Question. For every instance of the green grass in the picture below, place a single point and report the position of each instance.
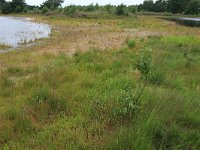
(131, 43)
(91, 100)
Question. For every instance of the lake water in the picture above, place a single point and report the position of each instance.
(15, 31)
(193, 22)
(190, 19)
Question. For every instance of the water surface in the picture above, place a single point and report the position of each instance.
(15, 31)
(193, 22)
(190, 19)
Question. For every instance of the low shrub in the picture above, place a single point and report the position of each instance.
(45, 10)
(70, 10)
(145, 65)
(121, 10)
(144, 62)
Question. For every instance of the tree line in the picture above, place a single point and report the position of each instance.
(18, 6)
(173, 6)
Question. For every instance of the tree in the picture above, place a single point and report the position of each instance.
(18, 9)
(148, 5)
(6, 8)
(108, 8)
(174, 6)
(14, 6)
(193, 7)
(160, 6)
(177, 6)
(1, 4)
(52, 4)
(132, 9)
(121, 10)
(2, 1)
(69, 10)
(45, 10)
(90, 7)
(18, 5)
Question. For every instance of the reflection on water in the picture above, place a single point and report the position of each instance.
(193, 22)
(16, 30)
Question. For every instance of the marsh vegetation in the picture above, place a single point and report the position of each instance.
(103, 82)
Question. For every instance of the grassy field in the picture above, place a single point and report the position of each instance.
(117, 83)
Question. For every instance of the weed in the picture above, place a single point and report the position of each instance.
(156, 77)
(6, 82)
(11, 114)
(144, 62)
(15, 70)
(5, 134)
(128, 105)
(48, 104)
(57, 105)
(145, 65)
(22, 125)
(131, 43)
(189, 59)
(41, 95)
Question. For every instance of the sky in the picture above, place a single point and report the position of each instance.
(87, 2)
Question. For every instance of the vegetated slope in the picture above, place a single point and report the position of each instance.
(142, 95)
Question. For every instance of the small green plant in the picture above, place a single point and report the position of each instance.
(188, 58)
(5, 134)
(145, 65)
(131, 43)
(57, 105)
(6, 82)
(15, 71)
(156, 77)
(144, 62)
(11, 114)
(40, 96)
(98, 109)
(23, 125)
(128, 104)
(51, 103)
